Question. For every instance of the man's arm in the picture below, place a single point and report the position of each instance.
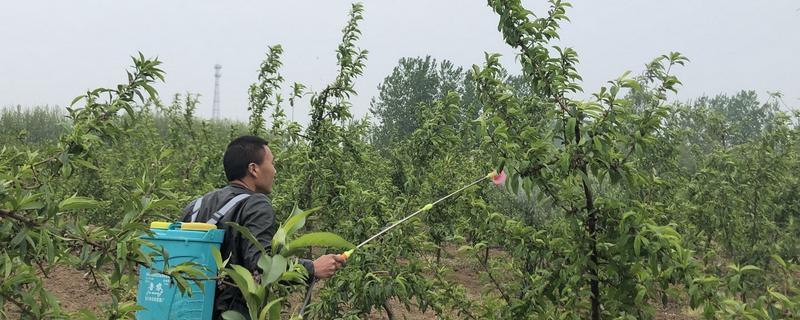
(259, 217)
(309, 267)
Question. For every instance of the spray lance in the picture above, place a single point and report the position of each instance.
(497, 179)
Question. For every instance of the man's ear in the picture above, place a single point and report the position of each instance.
(252, 169)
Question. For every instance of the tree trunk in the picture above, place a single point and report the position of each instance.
(388, 309)
(304, 203)
(591, 225)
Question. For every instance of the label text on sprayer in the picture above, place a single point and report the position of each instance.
(155, 287)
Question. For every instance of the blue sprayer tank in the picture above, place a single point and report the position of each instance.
(158, 293)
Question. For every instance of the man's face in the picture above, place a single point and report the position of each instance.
(264, 173)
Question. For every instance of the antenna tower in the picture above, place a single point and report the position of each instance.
(215, 108)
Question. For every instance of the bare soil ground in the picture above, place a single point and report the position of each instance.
(76, 292)
(469, 276)
(73, 290)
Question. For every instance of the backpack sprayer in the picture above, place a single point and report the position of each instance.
(497, 179)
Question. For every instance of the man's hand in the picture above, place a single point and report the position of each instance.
(325, 266)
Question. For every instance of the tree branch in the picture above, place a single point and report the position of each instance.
(22, 308)
(494, 281)
(15, 216)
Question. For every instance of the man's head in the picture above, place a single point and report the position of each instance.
(249, 160)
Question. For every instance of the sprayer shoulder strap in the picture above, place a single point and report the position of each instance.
(227, 207)
(196, 208)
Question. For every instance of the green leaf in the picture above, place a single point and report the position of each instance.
(264, 314)
(563, 162)
(183, 284)
(129, 307)
(632, 84)
(150, 91)
(30, 202)
(77, 203)
(86, 164)
(217, 257)
(293, 276)
(74, 101)
(242, 278)
(320, 239)
(779, 260)
(628, 215)
(278, 240)
(749, 268)
(465, 248)
(569, 134)
(779, 296)
(66, 170)
(232, 315)
(297, 220)
(274, 308)
(641, 291)
(277, 268)
(161, 204)
(265, 263)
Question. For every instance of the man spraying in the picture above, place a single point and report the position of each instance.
(250, 170)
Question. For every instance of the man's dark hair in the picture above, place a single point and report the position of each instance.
(241, 152)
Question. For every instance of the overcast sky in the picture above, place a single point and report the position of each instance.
(52, 51)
